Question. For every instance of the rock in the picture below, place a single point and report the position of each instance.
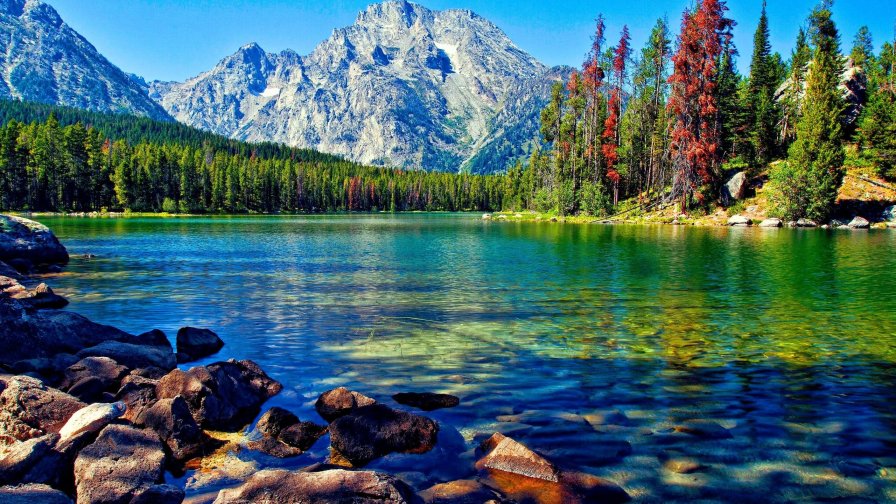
(373, 431)
(505, 454)
(104, 370)
(43, 334)
(736, 187)
(194, 344)
(683, 465)
(771, 223)
(172, 421)
(339, 402)
(705, 429)
(92, 418)
(461, 492)
(426, 401)
(52, 368)
(486, 216)
(160, 494)
(40, 298)
(10, 272)
(284, 435)
(133, 355)
(120, 466)
(838, 224)
(30, 409)
(21, 457)
(154, 337)
(740, 221)
(859, 223)
(138, 393)
(224, 395)
(806, 223)
(22, 238)
(889, 215)
(32, 494)
(328, 486)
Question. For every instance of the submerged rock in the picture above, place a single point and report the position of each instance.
(426, 401)
(125, 465)
(706, 429)
(461, 492)
(194, 344)
(508, 455)
(32, 494)
(332, 485)
(26, 240)
(29, 409)
(339, 402)
(224, 395)
(374, 431)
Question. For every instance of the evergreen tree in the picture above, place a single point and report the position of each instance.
(761, 107)
(862, 54)
(808, 183)
(877, 127)
(792, 100)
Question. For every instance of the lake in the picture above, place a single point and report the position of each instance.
(588, 343)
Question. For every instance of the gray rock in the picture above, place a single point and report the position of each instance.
(771, 223)
(332, 485)
(120, 466)
(224, 395)
(889, 215)
(22, 238)
(29, 409)
(32, 494)
(373, 431)
(339, 402)
(736, 187)
(133, 355)
(806, 223)
(194, 344)
(92, 418)
(859, 223)
(739, 221)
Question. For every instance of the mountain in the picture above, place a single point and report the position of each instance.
(43, 60)
(403, 86)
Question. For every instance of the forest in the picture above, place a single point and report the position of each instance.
(671, 124)
(62, 159)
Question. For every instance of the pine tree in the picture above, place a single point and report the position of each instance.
(806, 186)
(862, 54)
(761, 107)
(792, 100)
(611, 126)
(877, 127)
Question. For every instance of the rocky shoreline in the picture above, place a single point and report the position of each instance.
(92, 414)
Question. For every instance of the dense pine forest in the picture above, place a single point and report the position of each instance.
(672, 123)
(63, 159)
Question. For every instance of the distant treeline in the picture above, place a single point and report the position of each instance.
(63, 159)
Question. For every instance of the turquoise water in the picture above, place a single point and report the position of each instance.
(588, 343)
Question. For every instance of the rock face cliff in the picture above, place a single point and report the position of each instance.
(403, 86)
(42, 59)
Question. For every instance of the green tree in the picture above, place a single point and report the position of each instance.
(792, 98)
(761, 108)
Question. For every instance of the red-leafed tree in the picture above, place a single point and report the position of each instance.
(695, 136)
(611, 125)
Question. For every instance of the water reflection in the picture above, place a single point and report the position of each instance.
(589, 343)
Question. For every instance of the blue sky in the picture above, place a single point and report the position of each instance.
(177, 39)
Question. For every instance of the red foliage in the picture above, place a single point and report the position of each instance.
(694, 141)
(611, 125)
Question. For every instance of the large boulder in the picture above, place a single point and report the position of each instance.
(284, 435)
(426, 401)
(740, 221)
(133, 355)
(92, 418)
(194, 344)
(736, 187)
(332, 485)
(859, 223)
(26, 335)
(225, 395)
(771, 223)
(339, 402)
(103, 371)
(138, 393)
(29, 408)
(32, 494)
(374, 431)
(23, 239)
(172, 421)
(20, 458)
(122, 466)
(525, 476)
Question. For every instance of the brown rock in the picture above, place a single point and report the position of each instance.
(172, 421)
(506, 454)
(19, 458)
(683, 465)
(461, 492)
(705, 429)
(104, 370)
(329, 486)
(340, 402)
(29, 409)
(374, 431)
(138, 393)
(224, 395)
(426, 401)
(284, 435)
(32, 494)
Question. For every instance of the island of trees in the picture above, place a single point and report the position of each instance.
(672, 123)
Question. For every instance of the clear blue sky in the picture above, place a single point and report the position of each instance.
(177, 39)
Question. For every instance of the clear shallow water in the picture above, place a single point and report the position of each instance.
(546, 332)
